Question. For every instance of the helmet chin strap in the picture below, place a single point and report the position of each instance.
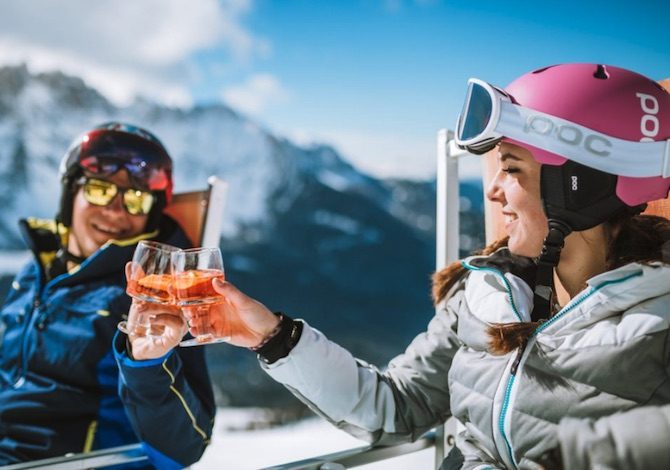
(65, 255)
(548, 260)
(575, 197)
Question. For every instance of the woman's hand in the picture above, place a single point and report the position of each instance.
(239, 317)
(167, 329)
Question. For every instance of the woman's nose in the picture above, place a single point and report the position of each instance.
(494, 190)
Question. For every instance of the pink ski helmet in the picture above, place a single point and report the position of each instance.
(613, 101)
(601, 133)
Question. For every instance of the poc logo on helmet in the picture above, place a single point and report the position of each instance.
(567, 134)
(649, 124)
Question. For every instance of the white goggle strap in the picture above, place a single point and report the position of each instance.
(584, 145)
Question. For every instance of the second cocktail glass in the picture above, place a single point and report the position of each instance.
(149, 280)
(193, 271)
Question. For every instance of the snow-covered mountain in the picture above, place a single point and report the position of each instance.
(305, 232)
(41, 114)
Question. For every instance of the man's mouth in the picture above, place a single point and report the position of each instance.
(107, 229)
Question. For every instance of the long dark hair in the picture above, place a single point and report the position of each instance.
(638, 238)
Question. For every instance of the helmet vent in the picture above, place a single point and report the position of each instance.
(540, 70)
(601, 72)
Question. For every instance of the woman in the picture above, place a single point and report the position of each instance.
(570, 321)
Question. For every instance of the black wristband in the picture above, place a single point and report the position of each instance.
(283, 342)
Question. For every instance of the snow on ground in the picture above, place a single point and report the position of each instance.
(233, 448)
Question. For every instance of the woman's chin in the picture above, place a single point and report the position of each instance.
(521, 248)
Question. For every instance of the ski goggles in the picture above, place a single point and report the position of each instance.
(105, 152)
(102, 193)
(489, 115)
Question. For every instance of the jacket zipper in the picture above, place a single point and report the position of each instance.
(517, 359)
(32, 319)
(506, 398)
(35, 320)
(23, 353)
(515, 362)
(515, 368)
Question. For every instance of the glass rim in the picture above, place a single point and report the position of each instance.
(158, 245)
(201, 249)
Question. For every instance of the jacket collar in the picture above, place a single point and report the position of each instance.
(618, 290)
(492, 285)
(44, 238)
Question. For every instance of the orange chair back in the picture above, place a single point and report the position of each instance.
(661, 207)
(189, 210)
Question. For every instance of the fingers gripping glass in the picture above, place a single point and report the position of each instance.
(489, 114)
(102, 193)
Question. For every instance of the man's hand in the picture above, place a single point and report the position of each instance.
(166, 331)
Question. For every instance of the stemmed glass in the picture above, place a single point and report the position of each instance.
(150, 280)
(193, 271)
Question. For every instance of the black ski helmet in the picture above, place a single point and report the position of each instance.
(108, 148)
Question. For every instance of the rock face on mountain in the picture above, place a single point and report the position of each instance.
(305, 232)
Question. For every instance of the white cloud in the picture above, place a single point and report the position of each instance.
(119, 84)
(256, 94)
(125, 48)
(387, 155)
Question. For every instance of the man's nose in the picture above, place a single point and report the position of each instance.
(116, 204)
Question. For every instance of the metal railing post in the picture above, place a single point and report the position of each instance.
(448, 195)
(447, 231)
(447, 236)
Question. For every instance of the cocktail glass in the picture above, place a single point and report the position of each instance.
(149, 280)
(193, 271)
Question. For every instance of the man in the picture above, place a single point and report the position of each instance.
(59, 380)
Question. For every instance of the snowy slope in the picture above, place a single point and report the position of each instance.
(253, 449)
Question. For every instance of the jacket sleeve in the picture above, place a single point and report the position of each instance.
(397, 405)
(633, 439)
(169, 402)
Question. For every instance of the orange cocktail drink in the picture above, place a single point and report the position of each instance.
(194, 287)
(193, 272)
(152, 288)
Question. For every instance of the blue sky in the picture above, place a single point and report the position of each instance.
(374, 78)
